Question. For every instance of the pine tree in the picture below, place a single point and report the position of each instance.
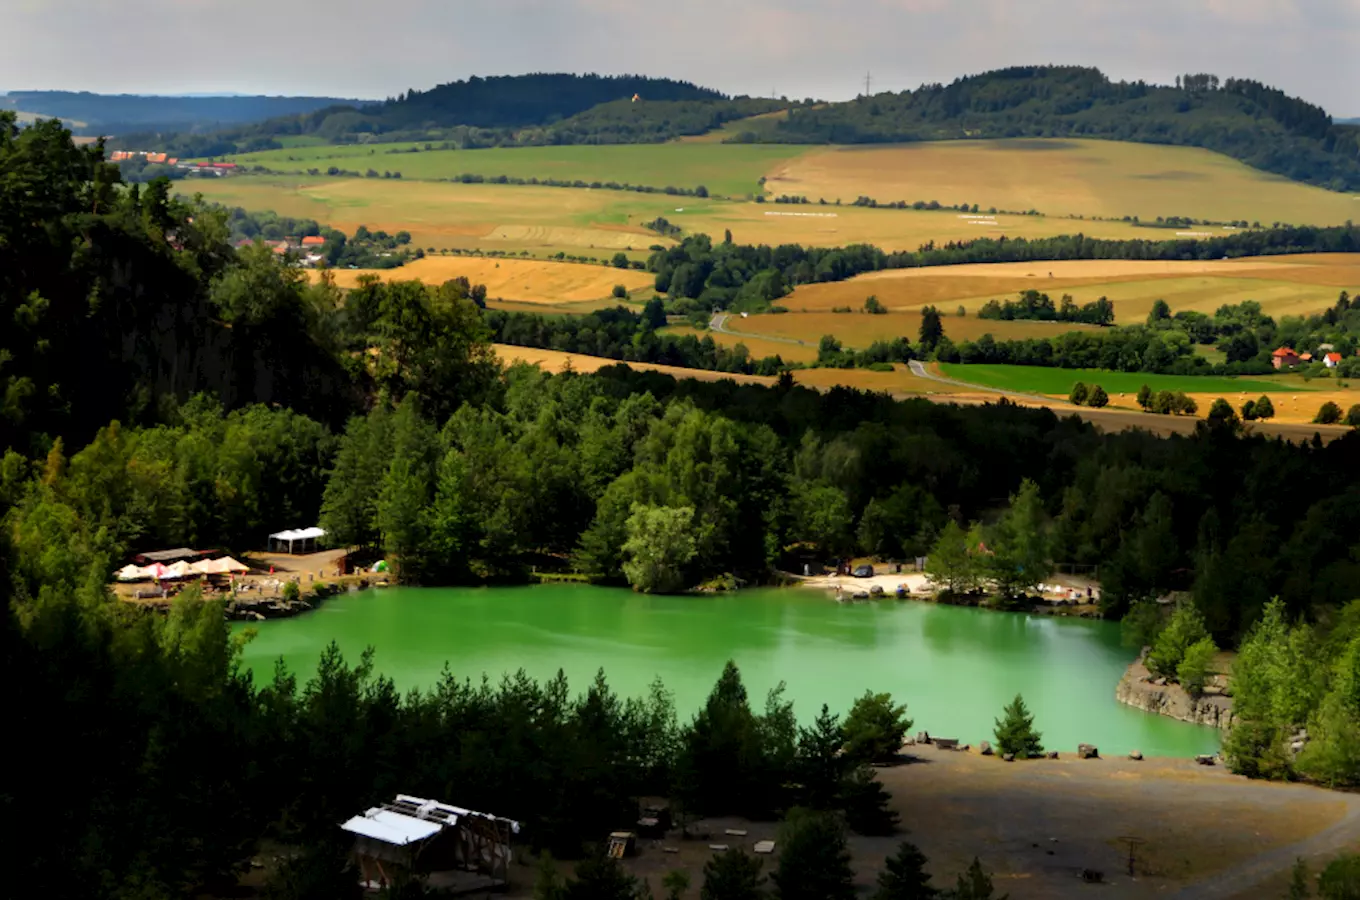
(814, 861)
(904, 876)
(1015, 731)
(732, 876)
(865, 802)
(821, 766)
(975, 884)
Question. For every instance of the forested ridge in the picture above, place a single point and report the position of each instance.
(162, 388)
(1259, 125)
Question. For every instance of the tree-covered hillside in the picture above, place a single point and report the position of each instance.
(126, 113)
(1246, 120)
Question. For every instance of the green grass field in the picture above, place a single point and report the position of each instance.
(725, 170)
(1041, 380)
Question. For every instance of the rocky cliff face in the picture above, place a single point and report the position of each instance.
(1139, 689)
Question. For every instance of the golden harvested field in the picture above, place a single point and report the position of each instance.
(1291, 409)
(1063, 177)
(520, 280)
(889, 229)
(759, 348)
(859, 330)
(1291, 285)
(556, 361)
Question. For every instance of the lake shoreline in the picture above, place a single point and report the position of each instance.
(1139, 689)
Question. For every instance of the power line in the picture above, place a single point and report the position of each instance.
(868, 81)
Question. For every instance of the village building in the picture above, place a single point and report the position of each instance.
(1285, 358)
(446, 849)
(1332, 360)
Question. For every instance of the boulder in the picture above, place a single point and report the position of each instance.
(1009, 757)
(1053, 754)
(1136, 754)
(985, 748)
(1087, 751)
(1205, 759)
(923, 737)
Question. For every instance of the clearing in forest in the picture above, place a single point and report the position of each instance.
(1061, 177)
(521, 280)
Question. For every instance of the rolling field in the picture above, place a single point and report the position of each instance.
(859, 330)
(1284, 285)
(1059, 382)
(557, 361)
(1063, 177)
(524, 281)
(732, 170)
(759, 348)
(546, 220)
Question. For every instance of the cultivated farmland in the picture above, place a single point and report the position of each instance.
(859, 330)
(727, 170)
(1064, 177)
(525, 281)
(1059, 382)
(1285, 285)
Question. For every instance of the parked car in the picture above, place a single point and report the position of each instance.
(864, 571)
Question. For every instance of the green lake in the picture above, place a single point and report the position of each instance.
(953, 667)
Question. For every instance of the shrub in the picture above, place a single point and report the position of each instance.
(1328, 414)
(1249, 411)
(1353, 416)
(1145, 397)
(1264, 408)
(1098, 399)
(1193, 670)
(873, 307)
(620, 292)
(1185, 629)
(291, 592)
(1079, 394)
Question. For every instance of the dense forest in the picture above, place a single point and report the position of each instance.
(1259, 125)
(163, 388)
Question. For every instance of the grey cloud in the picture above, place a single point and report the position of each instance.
(797, 47)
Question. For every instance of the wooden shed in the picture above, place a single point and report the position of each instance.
(447, 849)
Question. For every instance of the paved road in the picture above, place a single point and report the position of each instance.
(719, 323)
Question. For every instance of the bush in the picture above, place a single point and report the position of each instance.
(1328, 414)
(1249, 411)
(1098, 399)
(1079, 394)
(1015, 731)
(1264, 408)
(291, 592)
(620, 292)
(732, 875)
(875, 728)
(873, 307)
(1221, 413)
(814, 860)
(1193, 670)
(1341, 879)
(1353, 416)
(1185, 629)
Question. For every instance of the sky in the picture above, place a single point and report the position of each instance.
(797, 48)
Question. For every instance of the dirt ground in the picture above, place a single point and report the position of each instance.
(1203, 832)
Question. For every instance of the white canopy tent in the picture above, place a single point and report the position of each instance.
(303, 539)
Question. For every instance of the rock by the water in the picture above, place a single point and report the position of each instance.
(1053, 754)
(1205, 759)
(1087, 751)
(985, 748)
(923, 737)
(1009, 757)
(1137, 754)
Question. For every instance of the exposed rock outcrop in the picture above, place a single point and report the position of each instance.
(1138, 689)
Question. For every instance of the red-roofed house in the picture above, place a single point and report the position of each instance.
(1332, 360)
(1285, 358)
(315, 240)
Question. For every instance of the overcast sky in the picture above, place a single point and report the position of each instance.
(822, 48)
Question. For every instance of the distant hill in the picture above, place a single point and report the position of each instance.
(1258, 125)
(123, 113)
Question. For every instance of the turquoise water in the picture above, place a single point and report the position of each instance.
(954, 667)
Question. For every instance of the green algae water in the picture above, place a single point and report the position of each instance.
(953, 667)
